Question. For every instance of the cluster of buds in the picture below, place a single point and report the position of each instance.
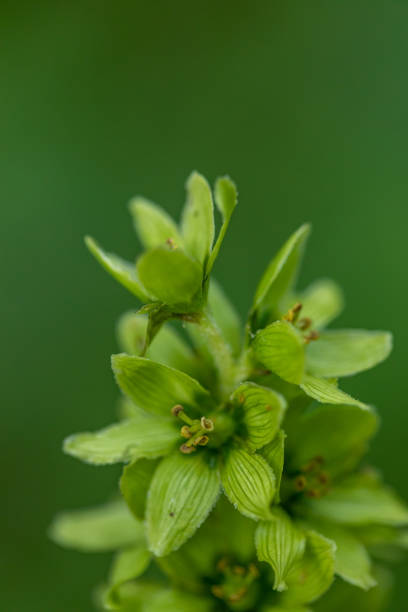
(195, 431)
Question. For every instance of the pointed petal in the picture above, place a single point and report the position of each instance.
(322, 302)
(153, 225)
(197, 223)
(226, 198)
(135, 483)
(327, 393)
(280, 348)
(274, 453)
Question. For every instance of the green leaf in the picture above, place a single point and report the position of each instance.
(226, 198)
(281, 273)
(249, 483)
(156, 388)
(274, 453)
(330, 432)
(99, 529)
(167, 347)
(173, 600)
(280, 348)
(122, 271)
(345, 352)
(360, 500)
(197, 223)
(327, 393)
(127, 565)
(135, 483)
(263, 411)
(183, 491)
(281, 544)
(171, 276)
(142, 436)
(352, 562)
(322, 302)
(225, 316)
(153, 225)
(314, 573)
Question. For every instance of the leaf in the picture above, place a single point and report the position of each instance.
(322, 302)
(226, 198)
(281, 544)
(167, 347)
(346, 352)
(135, 483)
(280, 348)
(274, 453)
(127, 565)
(281, 273)
(330, 432)
(359, 501)
(173, 600)
(263, 411)
(171, 276)
(327, 393)
(352, 562)
(249, 483)
(122, 271)
(314, 573)
(141, 436)
(183, 491)
(225, 316)
(99, 529)
(156, 388)
(197, 223)
(153, 225)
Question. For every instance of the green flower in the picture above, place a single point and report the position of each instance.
(244, 486)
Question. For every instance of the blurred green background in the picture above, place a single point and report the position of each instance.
(303, 103)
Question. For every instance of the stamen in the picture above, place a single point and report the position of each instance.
(185, 432)
(304, 323)
(207, 424)
(312, 335)
(187, 450)
(292, 315)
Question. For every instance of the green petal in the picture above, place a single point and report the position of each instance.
(330, 432)
(360, 500)
(346, 352)
(327, 393)
(352, 562)
(225, 316)
(153, 225)
(142, 436)
(281, 273)
(127, 565)
(99, 529)
(123, 271)
(197, 223)
(263, 411)
(226, 198)
(156, 388)
(183, 491)
(281, 544)
(135, 483)
(314, 573)
(249, 483)
(167, 347)
(173, 600)
(322, 302)
(280, 348)
(171, 276)
(274, 453)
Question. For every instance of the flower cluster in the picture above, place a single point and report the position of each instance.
(244, 486)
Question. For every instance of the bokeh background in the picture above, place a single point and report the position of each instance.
(303, 103)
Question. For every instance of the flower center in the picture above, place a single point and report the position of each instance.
(195, 431)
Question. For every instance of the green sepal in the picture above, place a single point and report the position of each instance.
(142, 436)
(249, 483)
(280, 543)
(197, 223)
(153, 225)
(226, 198)
(327, 392)
(314, 573)
(99, 529)
(172, 277)
(183, 491)
(322, 302)
(274, 453)
(134, 485)
(280, 348)
(122, 271)
(156, 388)
(128, 564)
(345, 352)
(262, 413)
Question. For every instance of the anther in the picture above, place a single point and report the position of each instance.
(175, 411)
(293, 314)
(201, 441)
(185, 431)
(311, 336)
(253, 570)
(304, 323)
(207, 424)
(217, 591)
(170, 242)
(323, 478)
(238, 570)
(238, 595)
(300, 483)
(187, 450)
